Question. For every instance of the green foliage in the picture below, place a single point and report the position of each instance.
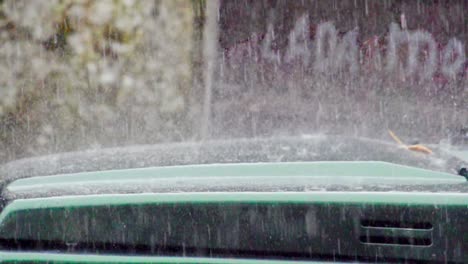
(81, 73)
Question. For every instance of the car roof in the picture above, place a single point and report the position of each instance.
(304, 148)
(317, 148)
(241, 177)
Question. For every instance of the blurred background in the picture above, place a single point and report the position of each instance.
(84, 74)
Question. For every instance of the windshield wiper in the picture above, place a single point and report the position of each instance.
(463, 172)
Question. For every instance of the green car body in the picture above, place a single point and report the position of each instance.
(267, 212)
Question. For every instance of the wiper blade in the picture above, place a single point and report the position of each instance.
(463, 172)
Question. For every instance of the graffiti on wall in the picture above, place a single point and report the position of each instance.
(322, 49)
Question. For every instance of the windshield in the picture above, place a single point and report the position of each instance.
(303, 80)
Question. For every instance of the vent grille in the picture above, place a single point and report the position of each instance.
(379, 232)
(396, 224)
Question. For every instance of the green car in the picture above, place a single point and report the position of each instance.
(311, 199)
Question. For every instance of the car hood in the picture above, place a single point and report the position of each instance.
(243, 177)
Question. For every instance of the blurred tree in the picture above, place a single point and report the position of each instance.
(81, 73)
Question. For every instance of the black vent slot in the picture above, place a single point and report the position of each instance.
(396, 240)
(404, 233)
(396, 224)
